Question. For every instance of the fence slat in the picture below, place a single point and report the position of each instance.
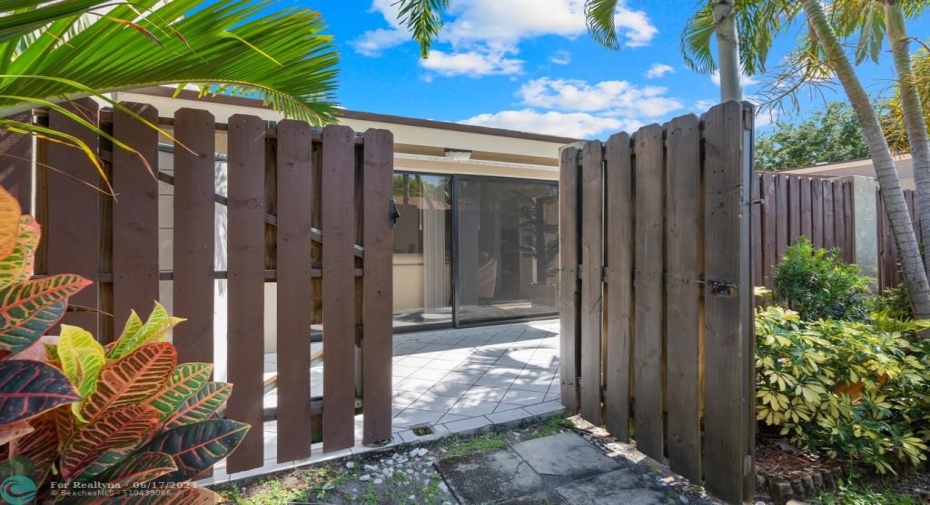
(848, 219)
(294, 188)
(135, 215)
(619, 288)
(794, 209)
(817, 212)
(72, 233)
(649, 179)
(781, 221)
(770, 226)
(829, 223)
(569, 295)
(339, 306)
(806, 211)
(757, 211)
(16, 164)
(592, 247)
(683, 232)
(193, 235)
(377, 180)
(839, 217)
(246, 252)
(726, 268)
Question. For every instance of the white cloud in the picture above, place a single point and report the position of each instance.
(571, 124)
(702, 106)
(490, 22)
(658, 70)
(613, 98)
(745, 80)
(472, 63)
(561, 57)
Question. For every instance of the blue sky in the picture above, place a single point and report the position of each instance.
(529, 65)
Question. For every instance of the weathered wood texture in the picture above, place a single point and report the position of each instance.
(284, 187)
(670, 204)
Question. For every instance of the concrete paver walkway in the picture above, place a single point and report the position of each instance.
(558, 469)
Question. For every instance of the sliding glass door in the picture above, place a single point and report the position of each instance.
(469, 250)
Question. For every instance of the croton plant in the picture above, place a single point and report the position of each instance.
(124, 420)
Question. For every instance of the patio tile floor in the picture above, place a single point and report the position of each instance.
(457, 380)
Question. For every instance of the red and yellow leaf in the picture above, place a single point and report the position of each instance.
(18, 265)
(115, 434)
(41, 446)
(29, 388)
(10, 212)
(186, 380)
(29, 309)
(135, 469)
(196, 447)
(201, 405)
(132, 379)
(155, 329)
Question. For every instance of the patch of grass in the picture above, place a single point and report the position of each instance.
(484, 442)
(272, 491)
(553, 425)
(848, 495)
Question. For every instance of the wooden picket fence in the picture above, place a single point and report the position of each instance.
(307, 208)
(656, 296)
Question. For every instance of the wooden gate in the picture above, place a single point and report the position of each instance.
(656, 297)
(307, 209)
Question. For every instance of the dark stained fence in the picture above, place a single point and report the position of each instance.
(786, 207)
(889, 271)
(656, 298)
(307, 208)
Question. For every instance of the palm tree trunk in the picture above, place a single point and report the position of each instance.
(892, 195)
(914, 123)
(727, 50)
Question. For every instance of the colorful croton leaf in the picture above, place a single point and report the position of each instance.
(28, 309)
(215, 439)
(29, 388)
(10, 211)
(186, 381)
(134, 335)
(131, 380)
(136, 469)
(41, 446)
(107, 440)
(19, 264)
(82, 359)
(200, 406)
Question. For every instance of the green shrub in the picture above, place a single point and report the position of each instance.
(895, 304)
(817, 284)
(855, 390)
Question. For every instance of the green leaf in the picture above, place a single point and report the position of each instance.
(154, 330)
(29, 309)
(104, 442)
(29, 388)
(187, 380)
(201, 405)
(132, 379)
(81, 358)
(196, 447)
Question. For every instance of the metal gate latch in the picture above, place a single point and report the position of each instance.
(394, 213)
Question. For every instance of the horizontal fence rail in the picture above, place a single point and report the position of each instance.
(656, 294)
(230, 207)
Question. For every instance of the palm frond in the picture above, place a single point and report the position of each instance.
(232, 46)
(423, 19)
(695, 41)
(599, 16)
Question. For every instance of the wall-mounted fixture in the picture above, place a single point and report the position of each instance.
(458, 154)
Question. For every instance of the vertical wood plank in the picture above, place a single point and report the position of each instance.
(135, 215)
(806, 211)
(848, 219)
(73, 233)
(246, 252)
(619, 288)
(829, 223)
(649, 179)
(377, 240)
(338, 287)
(569, 292)
(794, 210)
(770, 226)
(592, 263)
(839, 217)
(16, 163)
(817, 212)
(294, 188)
(756, 213)
(194, 239)
(683, 241)
(781, 222)
(727, 299)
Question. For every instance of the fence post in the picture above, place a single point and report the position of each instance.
(864, 223)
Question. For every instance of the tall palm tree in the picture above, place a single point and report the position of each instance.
(60, 50)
